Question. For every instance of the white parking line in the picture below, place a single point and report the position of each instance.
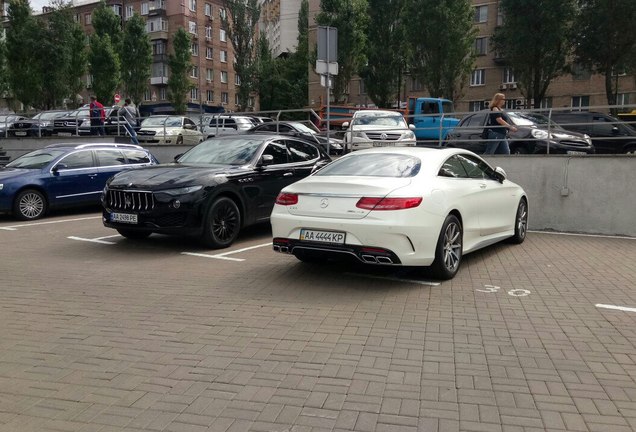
(15, 227)
(95, 240)
(395, 279)
(223, 255)
(620, 308)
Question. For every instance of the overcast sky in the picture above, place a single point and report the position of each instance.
(36, 5)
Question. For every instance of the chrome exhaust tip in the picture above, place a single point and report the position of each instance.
(284, 249)
(369, 259)
(384, 260)
(276, 248)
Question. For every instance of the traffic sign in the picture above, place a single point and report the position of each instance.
(117, 98)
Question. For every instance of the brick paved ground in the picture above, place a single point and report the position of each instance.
(139, 337)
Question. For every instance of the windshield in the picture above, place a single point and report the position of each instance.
(226, 151)
(305, 129)
(531, 119)
(36, 159)
(171, 121)
(373, 165)
(48, 115)
(82, 112)
(384, 119)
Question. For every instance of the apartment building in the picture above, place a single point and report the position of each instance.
(212, 75)
(490, 75)
(279, 22)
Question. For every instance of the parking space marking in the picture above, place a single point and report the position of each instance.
(395, 279)
(15, 227)
(620, 308)
(223, 255)
(95, 240)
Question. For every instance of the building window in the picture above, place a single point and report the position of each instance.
(622, 99)
(147, 95)
(208, 9)
(194, 93)
(481, 46)
(478, 77)
(193, 5)
(580, 101)
(225, 98)
(580, 72)
(223, 56)
(144, 8)
(130, 11)
(87, 19)
(481, 14)
(222, 35)
(224, 77)
(117, 9)
(476, 105)
(362, 89)
(194, 48)
(209, 95)
(222, 13)
(236, 99)
(194, 72)
(208, 32)
(163, 93)
(250, 101)
(193, 27)
(158, 47)
(500, 18)
(508, 76)
(546, 102)
(209, 74)
(416, 85)
(209, 53)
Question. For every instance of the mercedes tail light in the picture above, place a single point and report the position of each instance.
(286, 199)
(369, 203)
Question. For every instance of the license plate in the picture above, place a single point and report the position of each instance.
(20, 134)
(383, 144)
(123, 218)
(64, 133)
(322, 236)
(573, 152)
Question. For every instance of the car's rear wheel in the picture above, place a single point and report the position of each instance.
(30, 204)
(133, 234)
(521, 222)
(448, 253)
(222, 224)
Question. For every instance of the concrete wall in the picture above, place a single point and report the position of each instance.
(586, 194)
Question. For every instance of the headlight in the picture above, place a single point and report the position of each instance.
(1, 186)
(181, 191)
(409, 135)
(539, 134)
(85, 122)
(587, 139)
(359, 135)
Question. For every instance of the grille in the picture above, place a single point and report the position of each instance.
(148, 133)
(130, 200)
(377, 136)
(573, 143)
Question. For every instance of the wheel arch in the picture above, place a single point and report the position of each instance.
(36, 187)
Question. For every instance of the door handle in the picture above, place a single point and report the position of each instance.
(92, 175)
(288, 174)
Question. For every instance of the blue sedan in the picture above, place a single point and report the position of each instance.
(64, 175)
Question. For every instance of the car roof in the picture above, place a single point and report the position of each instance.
(94, 145)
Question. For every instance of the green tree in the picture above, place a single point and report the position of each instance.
(179, 61)
(240, 23)
(4, 73)
(105, 68)
(441, 37)
(23, 41)
(78, 62)
(350, 17)
(605, 39)
(299, 61)
(534, 40)
(385, 51)
(106, 22)
(136, 58)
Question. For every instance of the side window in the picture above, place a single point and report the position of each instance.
(476, 120)
(452, 168)
(137, 157)
(230, 123)
(278, 150)
(189, 122)
(302, 152)
(80, 159)
(602, 126)
(213, 122)
(267, 128)
(110, 157)
(476, 168)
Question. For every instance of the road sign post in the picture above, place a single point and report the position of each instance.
(327, 63)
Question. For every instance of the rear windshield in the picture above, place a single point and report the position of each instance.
(373, 165)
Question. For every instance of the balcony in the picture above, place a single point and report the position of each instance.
(158, 35)
(157, 8)
(161, 80)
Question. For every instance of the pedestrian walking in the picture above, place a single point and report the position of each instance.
(129, 114)
(496, 130)
(97, 116)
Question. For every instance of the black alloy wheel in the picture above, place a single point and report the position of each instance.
(448, 253)
(30, 204)
(222, 224)
(521, 223)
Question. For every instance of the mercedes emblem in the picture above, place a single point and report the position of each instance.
(324, 203)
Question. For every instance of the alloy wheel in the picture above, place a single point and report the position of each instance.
(452, 246)
(31, 205)
(225, 222)
(522, 219)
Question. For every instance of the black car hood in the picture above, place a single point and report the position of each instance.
(169, 176)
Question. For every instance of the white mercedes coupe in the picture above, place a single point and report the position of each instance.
(400, 206)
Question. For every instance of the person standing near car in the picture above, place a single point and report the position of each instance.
(129, 114)
(496, 131)
(98, 116)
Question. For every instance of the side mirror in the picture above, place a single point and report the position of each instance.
(412, 126)
(58, 167)
(177, 157)
(345, 125)
(190, 127)
(266, 160)
(615, 130)
(501, 174)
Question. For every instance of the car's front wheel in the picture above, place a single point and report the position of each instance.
(448, 253)
(521, 222)
(133, 234)
(222, 224)
(30, 204)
